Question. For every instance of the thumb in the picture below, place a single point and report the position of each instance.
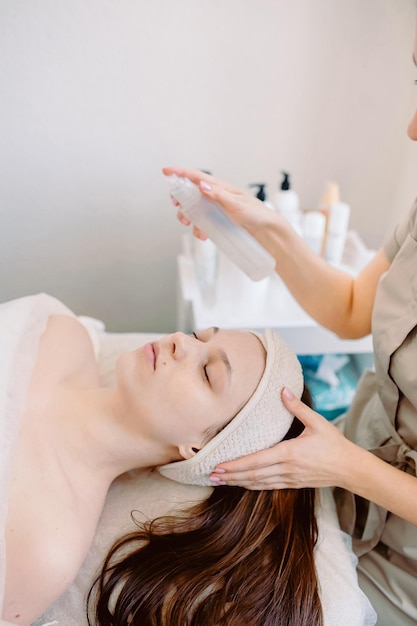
(303, 412)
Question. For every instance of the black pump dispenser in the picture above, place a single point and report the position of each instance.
(285, 185)
(260, 194)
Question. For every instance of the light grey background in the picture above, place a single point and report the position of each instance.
(98, 95)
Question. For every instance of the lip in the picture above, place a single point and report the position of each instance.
(150, 354)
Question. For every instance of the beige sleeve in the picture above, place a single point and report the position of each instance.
(407, 226)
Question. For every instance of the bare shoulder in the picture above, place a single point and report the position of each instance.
(50, 525)
(49, 531)
(41, 567)
(65, 353)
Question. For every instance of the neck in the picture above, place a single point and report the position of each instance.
(92, 433)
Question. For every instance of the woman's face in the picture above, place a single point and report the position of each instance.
(412, 127)
(184, 389)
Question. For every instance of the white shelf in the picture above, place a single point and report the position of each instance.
(241, 305)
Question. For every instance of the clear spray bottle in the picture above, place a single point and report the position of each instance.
(231, 239)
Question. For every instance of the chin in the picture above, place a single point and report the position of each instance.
(126, 369)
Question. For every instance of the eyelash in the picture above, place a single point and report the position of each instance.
(205, 367)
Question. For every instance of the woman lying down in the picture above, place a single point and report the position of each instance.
(182, 404)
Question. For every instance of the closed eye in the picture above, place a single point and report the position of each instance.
(205, 367)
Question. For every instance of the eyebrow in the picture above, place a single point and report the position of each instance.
(226, 361)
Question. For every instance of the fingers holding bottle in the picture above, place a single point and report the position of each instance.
(241, 206)
(196, 176)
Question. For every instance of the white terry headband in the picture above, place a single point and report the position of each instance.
(261, 423)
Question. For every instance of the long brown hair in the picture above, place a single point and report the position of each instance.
(239, 558)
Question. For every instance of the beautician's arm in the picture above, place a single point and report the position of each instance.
(332, 297)
(322, 457)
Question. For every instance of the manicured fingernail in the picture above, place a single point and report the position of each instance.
(219, 470)
(215, 479)
(205, 186)
(218, 483)
(184, 221)
(288, 394)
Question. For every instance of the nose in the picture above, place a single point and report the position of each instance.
(182, 345)
(412, 128)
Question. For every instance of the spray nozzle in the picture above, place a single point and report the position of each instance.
(183, 190)
(260, 194)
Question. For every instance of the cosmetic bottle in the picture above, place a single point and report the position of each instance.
(206, 261)
(313, 227)
(331, 196)
(231, 239)
(287, 203)
(261, 194)
(337, 225)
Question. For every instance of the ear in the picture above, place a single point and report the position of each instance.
(187, 451)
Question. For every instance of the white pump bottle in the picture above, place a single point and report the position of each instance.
(287, 203)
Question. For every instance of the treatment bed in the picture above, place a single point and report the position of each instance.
(148, 495)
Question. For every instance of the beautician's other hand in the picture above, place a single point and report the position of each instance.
(241, 206)
(320, 457)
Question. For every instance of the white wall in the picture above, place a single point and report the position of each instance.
(98, 95)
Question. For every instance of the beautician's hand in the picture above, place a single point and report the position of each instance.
(241, 206)
(319, 457)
